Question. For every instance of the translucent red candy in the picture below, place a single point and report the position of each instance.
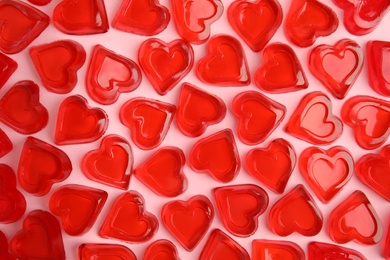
(143, 17)
(57, 64)
(224, 64)
(255, 22)
(21, 110)
(323, 251)
(78, 207)
(378, 57)
(110, 74)
(39, 238)
(78, 123)
(280, 71)
(90, 251)
(188, 221)
(239, 207)
(308, 19)
(386, 243)
(273, 249)
(41, 165)
(297, 212)
(7, 68)
(80, 17)
(6, 145)
(40, 2)
(21, 24)
(161, 250)
(356, 220)
(4, 251)
(111, 163)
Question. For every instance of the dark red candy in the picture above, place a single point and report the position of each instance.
(161, 250)
(324, 251)
(40, 2)
(378, 62)
(6, 145)
(7, 68)
(88, 251)
(263, 249)
(4, 251)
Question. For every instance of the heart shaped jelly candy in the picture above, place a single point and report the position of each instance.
(378, 57)
(161, 249)
(7, 68)
(4, 251)
(274, 249)
(6, 145)
(105, 251)
(319, 250)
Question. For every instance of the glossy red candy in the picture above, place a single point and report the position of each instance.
(188, 221)
(255, 22)
(128, 220)
(216, 155)
(111, 163)
(239, 207)
(39, 238)
(378, 57)
(12, 201)
(78, 207)
(338, 66)
(143, 17)
(110, 74)
(297, 212)
(363, 16)
(7, 68)
(386, 244)
(257, 116)
(313, 121)
(57, 64)
(224, 64)
(163, 173)
(356, 220)
(90, 251)
(78, 123)
(326, 171)
(307, 20)
(221, 246)
(161, 250)
(165, 64)
(6, 145)
(263, 249)
(281, 70)
(81, 17)
(4, 252)
(40, 2)
(193, 19)
(148, 120)
(197, 109)
(369, 119)
(41, 165)
(272, 165)
(324, 251)
(374, 171)
(21, 110)
(21, 24)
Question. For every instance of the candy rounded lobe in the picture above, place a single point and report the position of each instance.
(7, 67)
(88, 251)
(270, 249)
(161, 249)
(4, 251)
(377, 56)
(322, 251)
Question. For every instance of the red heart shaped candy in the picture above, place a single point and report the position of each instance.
(318, 250)
(105, 251)
(378, 57)
(161, 250)
(40, 2)
(4, 252)
(6, 145)
(7, 68)
(273, 249)
(386, 244)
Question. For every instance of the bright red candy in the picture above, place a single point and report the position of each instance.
(21, 110)
(374, 171)
(165, 64)
(81, 17)
(224, 64)
(221, 246)
(313, 121)
(297, 212)
(111, 163)
(6, 145)
(78, 123)
(163, 173)
(128, 220)
(216, 155)
(143, 17)
(324, 251)
(7, 68)
(386, 244)
(161, 250)
(40, 2)
(281, 70)
(308, 19)
(57, 64)
(378, 62)
(369, 118)
(272, 165)
(363, 16)
(239, 207)
(193, 19)
(41, 165)
(148, 120)
(197, 109)
(356, 220)
(188, 221)
(257, 115)
(263, 249)
(255, 22)
(337, 66)
(326, 171)
(110, 74)
(12, 201)
(40, 238)
(78, 207)
(105, 252)
(4, 252)
(21, 24)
